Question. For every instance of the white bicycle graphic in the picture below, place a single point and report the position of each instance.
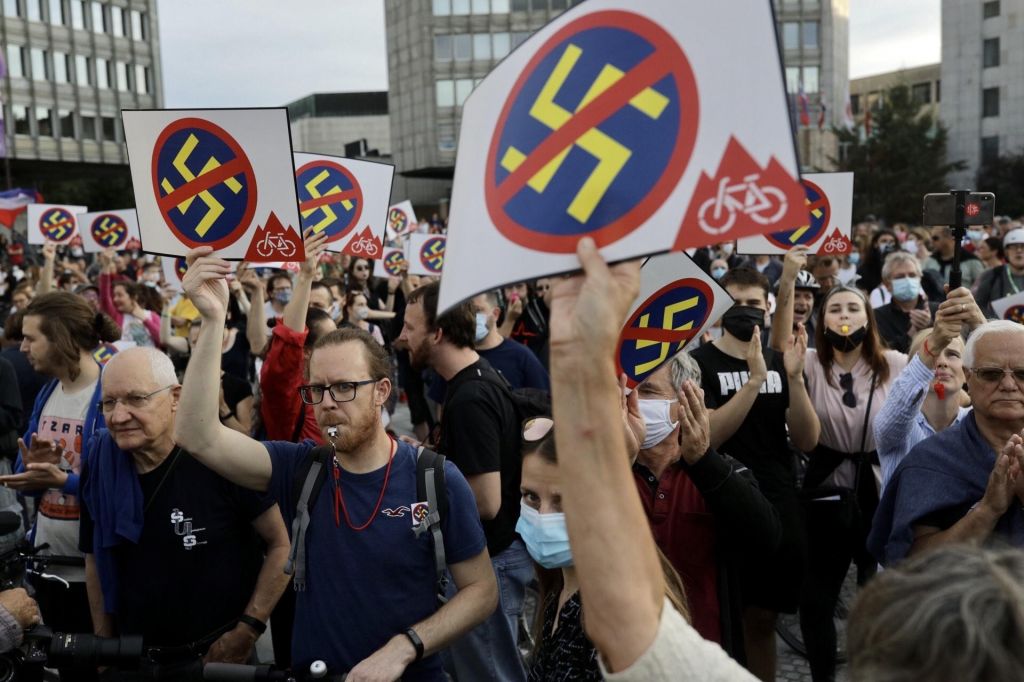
(765, 205)
(834, 245)
(364, 246)
(275, 244)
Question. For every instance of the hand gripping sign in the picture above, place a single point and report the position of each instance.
(829, 202)
(346, 198)
(677, 302)
(108, 230)
(174, 271)
(215, 177)
(56, 223)
(426, 254)
(401, 219)
(391, 264)
(622, 121)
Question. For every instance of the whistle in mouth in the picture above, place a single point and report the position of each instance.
(332, 432)
(940, 390)
(846, 328)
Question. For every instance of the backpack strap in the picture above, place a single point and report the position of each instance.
(315, 473)
(432, 489)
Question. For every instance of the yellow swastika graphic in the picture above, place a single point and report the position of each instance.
(817, 213)
(667, 322)
(56, 222)
(329, 215)
(214, 206)
(611, 155)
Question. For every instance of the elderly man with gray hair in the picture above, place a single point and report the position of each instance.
(965, 484)
(909, 311)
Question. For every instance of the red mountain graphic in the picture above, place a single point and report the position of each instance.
(274, 242)
(364, 245)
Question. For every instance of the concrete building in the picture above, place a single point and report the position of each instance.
(814, 37)
(982, 82)
(72, 65)
(925, 85)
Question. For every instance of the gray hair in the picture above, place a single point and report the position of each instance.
(681, 368)
(990, 327)
(894, 259)
(956, 613)
(159, 364)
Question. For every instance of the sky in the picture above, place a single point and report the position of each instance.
(221, 53)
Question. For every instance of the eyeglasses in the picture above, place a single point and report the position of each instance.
(341, 392)
(846, 383)
(537, 429)
(133, 402)
(994, 375)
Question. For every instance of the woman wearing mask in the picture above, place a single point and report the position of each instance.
(358, 275)
(357, 314)
(718, 268)
(562, 650)
(883, 243)
(849, 376)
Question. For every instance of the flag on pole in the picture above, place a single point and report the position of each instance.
(14, 201)
(848, 122)
(821, 112)
(805, 114)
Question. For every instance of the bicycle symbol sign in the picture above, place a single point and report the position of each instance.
(57, 224)
(394, 262)
(329, 198)
(661, 326)
(204, 183)
(397, 219)
(432, 255)
(594, 136)
(109, 230)
(820, 213)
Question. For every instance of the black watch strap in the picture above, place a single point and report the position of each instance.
(417, 643)
(259, 626)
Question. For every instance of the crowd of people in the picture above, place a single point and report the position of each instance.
(223, 455)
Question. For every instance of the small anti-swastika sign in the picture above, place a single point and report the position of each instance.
(391, 264)
(678, 301)
(108, 230)
(829, 203)
(217, 177)
(1010, 307)
(347, 198)
(401, 219)
(619, 121)
(427, 254)
(56, 223)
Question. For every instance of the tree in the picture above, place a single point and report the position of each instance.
(903, 159)
(1005, 177)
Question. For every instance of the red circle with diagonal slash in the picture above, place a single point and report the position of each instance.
(661, 335)
(806, 240)
(668, 59)
(206, 181)
(355, 194)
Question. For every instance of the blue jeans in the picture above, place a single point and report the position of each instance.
(489, 651)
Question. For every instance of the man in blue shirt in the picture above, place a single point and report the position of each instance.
(369, 605)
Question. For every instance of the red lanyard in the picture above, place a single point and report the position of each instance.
(339, 498)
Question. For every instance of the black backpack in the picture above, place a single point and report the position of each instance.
(430, 488)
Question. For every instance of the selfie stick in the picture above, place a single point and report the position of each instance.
(960, 197)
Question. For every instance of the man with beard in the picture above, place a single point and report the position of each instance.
(480, 432)
(369, 605)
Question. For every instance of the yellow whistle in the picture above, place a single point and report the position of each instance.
(846, 329)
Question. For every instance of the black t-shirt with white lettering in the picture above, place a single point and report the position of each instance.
(195, 566)
(760, 441)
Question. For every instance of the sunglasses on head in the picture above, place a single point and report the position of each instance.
(846, 383)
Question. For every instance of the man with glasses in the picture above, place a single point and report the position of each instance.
(966, 483)
(941, 260)
(1003, 280)
(174, 552)
(368, 605)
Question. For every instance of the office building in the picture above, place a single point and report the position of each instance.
(924, 82)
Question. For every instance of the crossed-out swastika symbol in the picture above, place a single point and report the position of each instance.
(432, 254)
(195, 159)
(109, 230)
(817, 204)
(56, 224)
(398, 219)
(324, 186)
(594, 135)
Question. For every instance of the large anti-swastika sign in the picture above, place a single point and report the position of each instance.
(622, 122)
(677, 302)
(52, 223)
(221, 178)
(109, 230)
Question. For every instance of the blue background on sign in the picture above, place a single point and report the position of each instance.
(650, 140)
(817, 224)
(334, 179)
(630, 356)
(234, 204)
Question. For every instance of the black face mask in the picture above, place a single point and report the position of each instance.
(739, 321)
(845, 344)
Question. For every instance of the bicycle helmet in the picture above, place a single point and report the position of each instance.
(804, 280)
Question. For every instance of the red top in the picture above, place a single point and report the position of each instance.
(16, 253)
(282, 374)
(684, 530)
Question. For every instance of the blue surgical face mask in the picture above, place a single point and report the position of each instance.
(975, 235)
(853, 258)
(718, 273)
(481, 327)
(283, 297)
(545, 537)
(906, 288)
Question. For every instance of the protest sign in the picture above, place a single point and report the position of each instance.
(391, 264)
(109, 230)
(829, 201)
(402, 219)
(346, 198)
(215, 177)
(677, 302)
(1010, 307)
(621, 121)
(55, 223)
(426, 254)
(174, 268)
